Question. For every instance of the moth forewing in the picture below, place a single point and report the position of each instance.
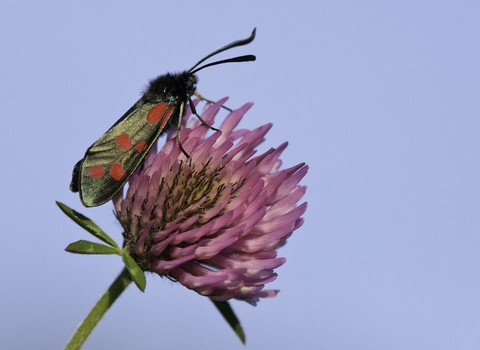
(114, 157)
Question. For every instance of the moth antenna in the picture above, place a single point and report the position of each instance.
(226, 47)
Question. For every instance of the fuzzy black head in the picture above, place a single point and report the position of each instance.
(171, 88)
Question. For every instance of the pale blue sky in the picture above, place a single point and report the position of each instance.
(381, 99)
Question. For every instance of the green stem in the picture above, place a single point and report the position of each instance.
(95, 315)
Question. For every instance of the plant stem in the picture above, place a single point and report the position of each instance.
(108, 298)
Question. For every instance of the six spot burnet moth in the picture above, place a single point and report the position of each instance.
(114, 157)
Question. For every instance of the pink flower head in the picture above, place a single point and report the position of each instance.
(213, 221)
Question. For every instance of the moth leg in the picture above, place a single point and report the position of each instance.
(194, 111)
(209, 101)
(179, 127)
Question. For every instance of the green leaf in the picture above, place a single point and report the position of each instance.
(87, 224)
(87, 247)
(136, 273)
(227, 313)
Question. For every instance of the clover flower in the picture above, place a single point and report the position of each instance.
(214, 221)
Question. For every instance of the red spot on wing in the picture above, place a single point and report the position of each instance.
(160, 113)
(117, 171)
(141, 146)
(96, 172)
(123, 141)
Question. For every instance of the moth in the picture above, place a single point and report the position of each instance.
(111, 160)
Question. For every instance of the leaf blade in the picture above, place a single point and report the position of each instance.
(87, 224)
(136, 273)
(229, 316)
(91, 248)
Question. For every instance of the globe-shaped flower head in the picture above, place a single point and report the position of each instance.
(214, 221)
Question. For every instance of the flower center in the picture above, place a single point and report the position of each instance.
(186, 197)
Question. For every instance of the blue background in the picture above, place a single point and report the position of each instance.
(380, 98)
